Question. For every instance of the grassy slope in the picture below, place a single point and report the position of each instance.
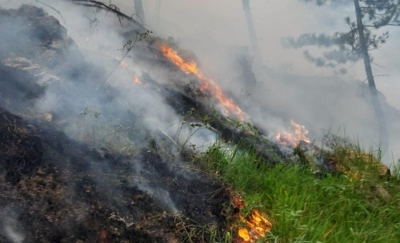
(304, 208)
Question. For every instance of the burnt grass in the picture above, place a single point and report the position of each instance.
(57, 189)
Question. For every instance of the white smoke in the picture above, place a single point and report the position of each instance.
(288, 86)
(10, 227)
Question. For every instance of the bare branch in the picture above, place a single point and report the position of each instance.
(111, 8)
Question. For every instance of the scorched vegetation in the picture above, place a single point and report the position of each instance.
(104, 149)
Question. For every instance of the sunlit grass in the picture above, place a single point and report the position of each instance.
(359, 205)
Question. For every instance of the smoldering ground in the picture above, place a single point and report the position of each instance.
(75, 131)
(131, 120)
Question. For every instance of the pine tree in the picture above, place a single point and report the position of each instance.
(351, 46)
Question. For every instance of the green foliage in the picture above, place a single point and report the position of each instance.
(378, 12)
(304, 208)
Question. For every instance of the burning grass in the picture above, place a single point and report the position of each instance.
(305, 208)
(293, 136)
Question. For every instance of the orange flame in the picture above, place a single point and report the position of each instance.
(293, 137)
(244, 234)
(257, 227)
(190, 67)
(136, 80)
(256, 223)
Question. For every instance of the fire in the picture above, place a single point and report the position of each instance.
(190, 67)
(257, 226)
(244, 234)
(136, 80)
(293, 137)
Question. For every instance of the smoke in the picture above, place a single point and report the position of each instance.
(287, 85)
(75, 94)
(9, 226)
(97, 37)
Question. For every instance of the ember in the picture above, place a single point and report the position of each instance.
(138, 81)
(237, 201)
(190, 67)
(103, 236)
(293, 136)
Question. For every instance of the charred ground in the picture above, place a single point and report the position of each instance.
(57, 189)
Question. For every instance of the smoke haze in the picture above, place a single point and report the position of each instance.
(288, 86)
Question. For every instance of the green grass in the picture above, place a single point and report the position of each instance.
(304, 208)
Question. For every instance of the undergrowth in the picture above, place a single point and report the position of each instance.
(359, 204)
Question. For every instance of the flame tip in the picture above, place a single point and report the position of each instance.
(293, 136)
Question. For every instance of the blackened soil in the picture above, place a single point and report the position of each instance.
(57, 190)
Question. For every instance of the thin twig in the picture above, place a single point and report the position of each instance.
(169, 137)
(59, 13)
(123, 57)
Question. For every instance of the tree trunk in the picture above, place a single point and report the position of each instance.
(157, 12)
(252, 31)
(140, 12)
(257, 67)
(383, 136)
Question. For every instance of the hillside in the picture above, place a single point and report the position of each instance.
(139, 145)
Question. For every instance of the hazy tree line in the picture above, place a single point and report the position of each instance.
(342, 48)
(363, 36)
